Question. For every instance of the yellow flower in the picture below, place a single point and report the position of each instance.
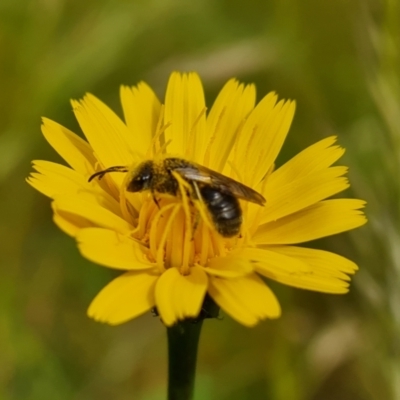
(170, 260)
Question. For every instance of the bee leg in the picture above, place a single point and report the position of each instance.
(195, 223)
(155, 199)
(197, 215)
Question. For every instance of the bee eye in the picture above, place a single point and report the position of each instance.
(136, 185)
(139, 183)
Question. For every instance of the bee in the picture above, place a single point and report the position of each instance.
(219, 193)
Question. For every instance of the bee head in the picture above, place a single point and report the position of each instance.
(141, 177)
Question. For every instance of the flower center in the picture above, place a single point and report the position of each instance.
(175, 234)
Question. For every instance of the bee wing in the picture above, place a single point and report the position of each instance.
(226, 185)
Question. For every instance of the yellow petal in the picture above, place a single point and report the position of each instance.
(263, 135)
(228, 113)
(111, 140)
(180, 296)
(126, 297)
(91, 211)
(230, 266)
(322, 261)
(108, 248)
(317, 157)
(287, 198)
(54, 179)
(185, 112)
(253, 130)
(74, 150)
(142, 111)
(296, 271)
(247, 299)
(271, 261)
(322, 219)
(69, 223)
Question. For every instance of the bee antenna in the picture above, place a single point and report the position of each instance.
(100, 174)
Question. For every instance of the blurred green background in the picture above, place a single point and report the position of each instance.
(338, 59)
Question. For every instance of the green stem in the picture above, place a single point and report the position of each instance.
(183, 340)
